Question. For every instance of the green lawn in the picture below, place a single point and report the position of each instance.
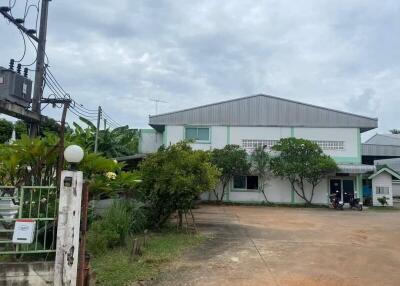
(114, 267)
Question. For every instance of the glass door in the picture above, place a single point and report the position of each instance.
(336, 188)
(348, 190)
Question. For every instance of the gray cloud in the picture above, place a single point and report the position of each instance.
(119, 54)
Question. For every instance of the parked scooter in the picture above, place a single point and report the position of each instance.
(336, 202)
(355, 203)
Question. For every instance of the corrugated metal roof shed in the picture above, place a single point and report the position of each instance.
(263, 110)
(384, 139)
(392, 163)
(380, 150)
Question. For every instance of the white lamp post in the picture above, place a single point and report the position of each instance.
(69, 214)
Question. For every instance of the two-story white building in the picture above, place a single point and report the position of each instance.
(261, 120)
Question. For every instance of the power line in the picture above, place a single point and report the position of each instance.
(24, 53)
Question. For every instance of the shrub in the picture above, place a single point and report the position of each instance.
(121, 219)
(383, 201)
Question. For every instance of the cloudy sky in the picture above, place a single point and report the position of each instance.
(121, 53)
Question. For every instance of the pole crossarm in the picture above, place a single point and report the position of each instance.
(19, 112)
(56, 100)
(19, 26)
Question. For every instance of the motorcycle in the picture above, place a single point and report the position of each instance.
(336, 202)
(355, 203)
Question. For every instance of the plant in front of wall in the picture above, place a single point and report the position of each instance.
(231, 161)
(260, 161)
(172, 178)
(383, 201)
(303, 163)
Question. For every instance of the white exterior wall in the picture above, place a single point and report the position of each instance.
(218, 135)
(149, 142)
(348, 135)
(382, 180)
(237, 134)
(278, 191)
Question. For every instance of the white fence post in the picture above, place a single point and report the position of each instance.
(69, 214)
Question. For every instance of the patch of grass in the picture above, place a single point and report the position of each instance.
(114, 267)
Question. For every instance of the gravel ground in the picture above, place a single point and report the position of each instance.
(290, 246)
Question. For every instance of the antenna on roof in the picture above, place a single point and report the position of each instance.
(156, 101)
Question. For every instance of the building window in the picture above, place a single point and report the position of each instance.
(382, 190)
(245, 182)
(251, 144)
(197, 133)
(330, 145)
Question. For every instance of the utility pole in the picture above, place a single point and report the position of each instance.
(40, 66)
(99, 114)
(105, 123)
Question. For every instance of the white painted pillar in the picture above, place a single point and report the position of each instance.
(69, 214)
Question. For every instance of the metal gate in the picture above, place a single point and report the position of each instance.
(37, 203)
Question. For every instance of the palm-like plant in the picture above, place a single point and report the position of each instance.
(120, 141)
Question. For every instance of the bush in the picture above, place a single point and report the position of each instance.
(121, 219)
(383, 201)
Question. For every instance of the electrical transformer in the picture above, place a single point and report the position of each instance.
(15, 88)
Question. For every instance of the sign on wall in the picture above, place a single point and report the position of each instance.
(24, 231)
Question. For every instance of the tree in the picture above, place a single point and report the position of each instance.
(231, 161)
(173, 177)
(301, 161)
(260, 160)
(20, 128)
(6, 129)
(395, 131)
(121, 141)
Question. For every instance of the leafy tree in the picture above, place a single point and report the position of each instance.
(121, 141)
(231, 161)
(395, 131)
(301, 161)
(174, 176)
(260, 160)
(26, 154)
(20, 128)
(6, 129)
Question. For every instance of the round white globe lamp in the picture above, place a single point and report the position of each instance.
(73, 154)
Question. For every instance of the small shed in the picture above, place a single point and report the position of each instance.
(382, 185)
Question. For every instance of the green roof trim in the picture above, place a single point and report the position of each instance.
(385, 168)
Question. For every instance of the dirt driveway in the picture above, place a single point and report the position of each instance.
(288, 246)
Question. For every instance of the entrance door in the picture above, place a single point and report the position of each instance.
(336, 187)
(348, 190)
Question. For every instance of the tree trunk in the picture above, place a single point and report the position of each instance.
(265, 195)
(180, 219)
(219, 200)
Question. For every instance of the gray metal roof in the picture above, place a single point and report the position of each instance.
(263, 110)
(380, 150)
(392, 163)
(384, 139)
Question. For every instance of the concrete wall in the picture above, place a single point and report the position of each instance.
(32, 273)
(382, 180)
(277, 190)
(222, 135)
(149, 141)
(348, 135)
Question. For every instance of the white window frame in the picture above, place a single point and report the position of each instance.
(382, 190)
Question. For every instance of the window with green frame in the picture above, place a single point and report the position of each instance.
(197, 133)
